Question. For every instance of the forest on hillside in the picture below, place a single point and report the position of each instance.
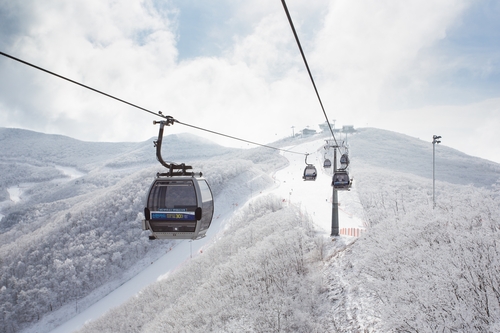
(260, 276)
(416, 269)
(68, 237)
(419, 268)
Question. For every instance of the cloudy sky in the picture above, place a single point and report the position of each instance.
(418, 67)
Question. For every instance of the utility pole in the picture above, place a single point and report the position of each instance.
(435, 140)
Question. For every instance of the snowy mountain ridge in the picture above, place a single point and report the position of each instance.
(401, 153)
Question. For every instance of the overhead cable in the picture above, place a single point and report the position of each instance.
(158, 114)
(235, 138)
(307, 67)
(78, 83)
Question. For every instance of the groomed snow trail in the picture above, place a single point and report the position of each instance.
(315, 197)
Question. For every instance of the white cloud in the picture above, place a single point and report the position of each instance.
(366, 48)
(471, 128)
(121, 49)
(368, 59)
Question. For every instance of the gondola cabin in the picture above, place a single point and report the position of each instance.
(341, 180)
(327, 164)
(310, 172)
(178, 207)
(344, 160)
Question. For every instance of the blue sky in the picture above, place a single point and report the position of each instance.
(415, 67)
(474, 39)
(199, 35)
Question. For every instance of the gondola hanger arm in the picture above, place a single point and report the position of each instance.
(173, 169)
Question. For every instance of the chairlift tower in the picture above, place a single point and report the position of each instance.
(335, 199)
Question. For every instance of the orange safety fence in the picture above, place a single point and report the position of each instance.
(354, 232)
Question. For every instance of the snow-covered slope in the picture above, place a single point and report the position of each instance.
(25, 146)
(404, 274)
(273, 267)
(401, 153)
(66, 236)
(236, 284)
